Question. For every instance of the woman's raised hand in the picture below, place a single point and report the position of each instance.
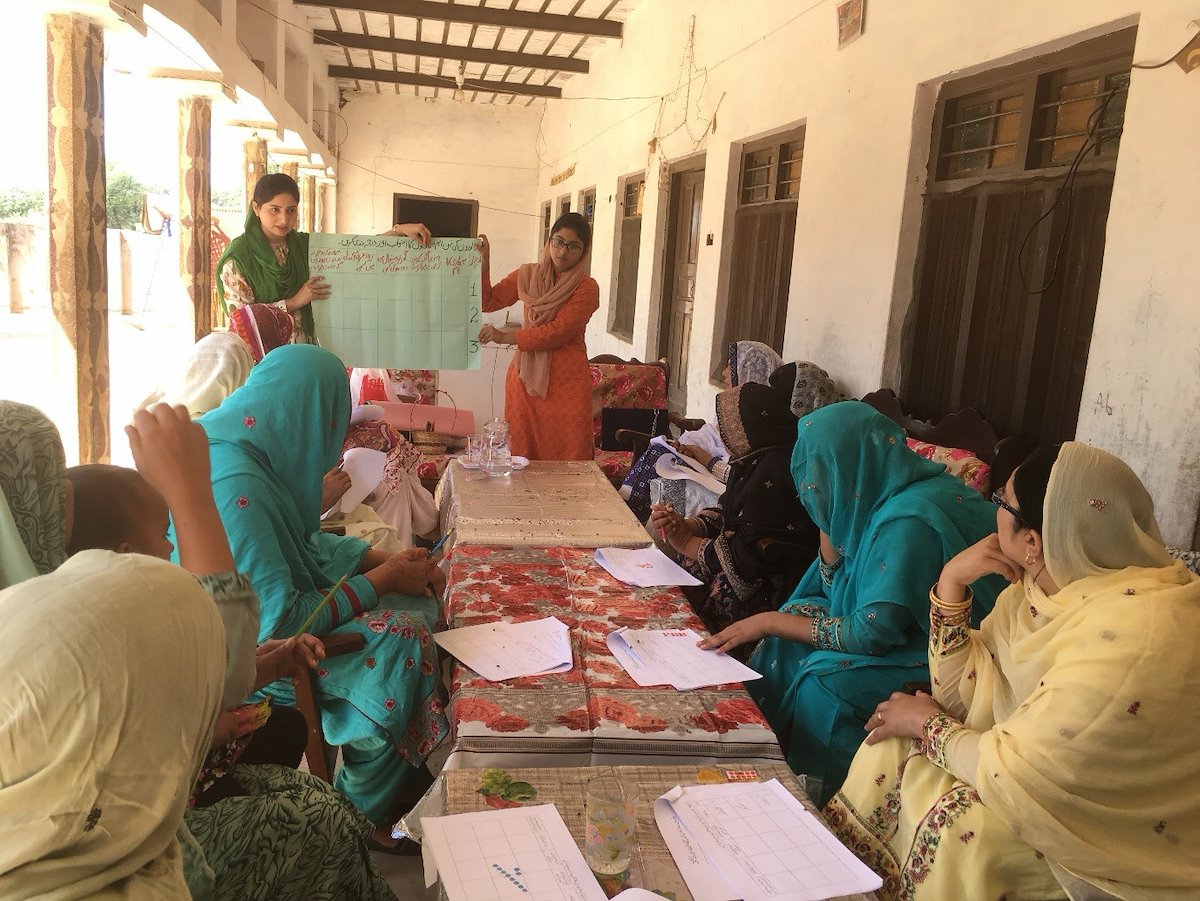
(699, 454)
(171, 453)
(415, 230)
(316, 288)
(983, 558)
(489, 334)
(664, 519)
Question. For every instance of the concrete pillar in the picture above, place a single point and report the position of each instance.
(255, 166)
(78, 249)
(308, 203)
(195, 208)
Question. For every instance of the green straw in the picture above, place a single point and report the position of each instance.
(321, 606)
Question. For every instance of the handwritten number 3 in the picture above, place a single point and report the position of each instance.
(474, 346)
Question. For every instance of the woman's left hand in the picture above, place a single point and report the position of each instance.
(901, 715)
(280, 658)
(699, 454)
(334, 485)
(752, 628)
(489, 334)
(415, 230)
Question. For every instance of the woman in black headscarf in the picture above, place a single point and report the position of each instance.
(752, 549)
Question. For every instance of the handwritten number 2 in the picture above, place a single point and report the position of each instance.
(474, 314)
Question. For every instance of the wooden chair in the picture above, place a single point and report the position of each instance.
(321, 756)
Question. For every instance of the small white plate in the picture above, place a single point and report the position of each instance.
(517, 462)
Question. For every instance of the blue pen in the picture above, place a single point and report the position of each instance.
(437, 547)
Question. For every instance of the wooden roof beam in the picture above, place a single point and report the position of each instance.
(477, 15)
(391, 76)
(451, 51)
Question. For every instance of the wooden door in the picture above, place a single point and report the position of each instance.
(679, 288)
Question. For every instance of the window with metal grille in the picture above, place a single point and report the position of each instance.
(1012, 240)
(632, 192)
(564, 204)
(764, 233)
(587, 204)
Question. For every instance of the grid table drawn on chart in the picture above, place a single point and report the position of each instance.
(776, 847)
(393, 304)
(509, 859)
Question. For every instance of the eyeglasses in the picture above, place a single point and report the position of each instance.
(999, 501)
(559, 244)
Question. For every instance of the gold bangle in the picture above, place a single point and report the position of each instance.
(950, 609)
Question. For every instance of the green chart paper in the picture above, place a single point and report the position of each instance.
(397, 305)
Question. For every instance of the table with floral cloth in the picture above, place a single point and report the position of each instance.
(547, 504)
(651, 865)
(593, 713)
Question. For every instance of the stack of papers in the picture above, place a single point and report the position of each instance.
(499, 651)
(670, 657)
(510, 854)
(680, 466)
(755, 841)
(646, 567)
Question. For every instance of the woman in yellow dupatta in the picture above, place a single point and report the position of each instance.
(1058, 755)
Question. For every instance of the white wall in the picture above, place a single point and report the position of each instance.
(868, 111)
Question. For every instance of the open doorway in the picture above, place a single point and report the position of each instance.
(445, 217)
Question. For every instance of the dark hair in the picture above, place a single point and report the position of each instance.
(107, 501)
(577, 224)
(1029, 484)
(274, 184)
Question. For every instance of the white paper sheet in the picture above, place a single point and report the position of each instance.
(523, 852)
(365, 468)
(499, 651)
(670, 657)
(680, 466)
(762, 843)
(366, 413)
(646, 567)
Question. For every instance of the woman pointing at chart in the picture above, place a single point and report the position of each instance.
(548, 391)
(268, 263)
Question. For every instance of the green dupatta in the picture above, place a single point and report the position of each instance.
(258, 264)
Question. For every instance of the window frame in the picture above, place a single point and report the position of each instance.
(583, 198)
(545, 220)
(621, 218)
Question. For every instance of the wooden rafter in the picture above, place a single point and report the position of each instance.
(451, 51)
(478, 15)
(418, 79)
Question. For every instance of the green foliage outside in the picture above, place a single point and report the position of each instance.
(16, 203)
(124, 199)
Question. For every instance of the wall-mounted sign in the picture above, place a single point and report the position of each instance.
(562, 176)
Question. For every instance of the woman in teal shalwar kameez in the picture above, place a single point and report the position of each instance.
(270, 443)
(856, 628)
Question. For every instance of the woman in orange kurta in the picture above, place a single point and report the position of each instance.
(548, 390)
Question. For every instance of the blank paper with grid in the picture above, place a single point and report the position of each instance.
(525, 853)
(396, 305)
(761, 842)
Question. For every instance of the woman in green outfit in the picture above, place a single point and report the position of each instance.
(268, 262)
(857, 627)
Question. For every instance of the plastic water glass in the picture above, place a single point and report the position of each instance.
(611, 825)
(475, 450)
(497, 455)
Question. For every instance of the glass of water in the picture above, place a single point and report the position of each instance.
(474, 450)
(611, 825)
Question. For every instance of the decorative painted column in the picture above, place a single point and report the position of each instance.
(292, 170)
(319, 209)
(78, 248)
(308, 203)
(255, 165)
(195, 208)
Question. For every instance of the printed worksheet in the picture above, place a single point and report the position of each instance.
(394, 304)
(499, 651)
(758, 843)
(646, 567)
(670, 657)
(525, 852)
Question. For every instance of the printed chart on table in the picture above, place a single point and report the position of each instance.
(396, 305)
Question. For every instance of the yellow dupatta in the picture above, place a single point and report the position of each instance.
(1087, 699)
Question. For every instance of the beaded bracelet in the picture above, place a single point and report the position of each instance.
(828, 569)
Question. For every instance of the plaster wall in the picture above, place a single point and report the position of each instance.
(868, 110)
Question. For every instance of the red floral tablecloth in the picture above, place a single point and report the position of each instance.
(593, 713)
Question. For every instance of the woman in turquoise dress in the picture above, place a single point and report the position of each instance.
(270, 443)
(856, 628)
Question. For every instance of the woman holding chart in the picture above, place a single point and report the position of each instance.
(268, 262)
(270, 442)
(548, 391)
